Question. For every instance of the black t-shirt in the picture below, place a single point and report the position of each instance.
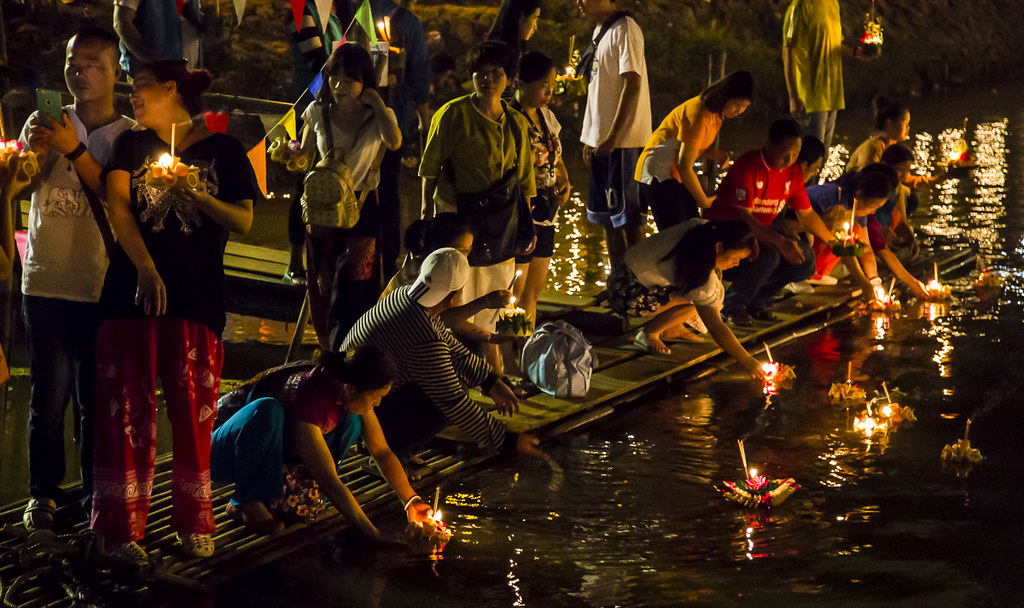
(185, 244)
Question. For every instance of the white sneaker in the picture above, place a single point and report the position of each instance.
(801, 287)
(196, 545)
(825, 280)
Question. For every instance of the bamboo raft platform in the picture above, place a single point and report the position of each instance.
(624, 376)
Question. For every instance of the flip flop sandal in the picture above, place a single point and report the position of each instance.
(39, 514)
(643, 343)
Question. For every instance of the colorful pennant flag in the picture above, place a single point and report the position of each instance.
(289, 122)
(180, 4)
(318, 81)
(364, 17)
(297, 6)
(258, 158)
(323, 9)
(239, 9)
(216, 122)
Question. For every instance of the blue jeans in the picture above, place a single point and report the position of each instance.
(821, 125)
(756, 282)
(252, 447)
(61, 337)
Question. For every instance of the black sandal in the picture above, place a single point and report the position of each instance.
(39, 514)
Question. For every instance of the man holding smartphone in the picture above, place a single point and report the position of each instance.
(65, 261)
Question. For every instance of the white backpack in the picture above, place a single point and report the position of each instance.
(559, 360)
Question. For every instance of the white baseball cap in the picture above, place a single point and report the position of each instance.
(443, 271)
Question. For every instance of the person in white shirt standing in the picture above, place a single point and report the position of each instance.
(616, 125)
(65, 263)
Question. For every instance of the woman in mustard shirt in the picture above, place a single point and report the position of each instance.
(669, 184)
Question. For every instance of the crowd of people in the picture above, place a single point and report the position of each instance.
(123, 279)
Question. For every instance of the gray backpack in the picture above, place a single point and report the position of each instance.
(559, 360)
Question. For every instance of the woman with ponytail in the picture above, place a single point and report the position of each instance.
(676, 274)
(162, 307)
(306, 413)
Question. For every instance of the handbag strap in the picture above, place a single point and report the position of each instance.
(99, 213)
(607, 25)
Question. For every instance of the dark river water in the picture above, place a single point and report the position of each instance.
(632, 518)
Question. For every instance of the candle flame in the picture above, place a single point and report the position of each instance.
(166, 160)
(887, 411)
(437, 516)
(753, 473)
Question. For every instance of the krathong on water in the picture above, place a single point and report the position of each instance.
(429, 537)
(777, 376)
(757, 491)
(961, 452)
(935, 289)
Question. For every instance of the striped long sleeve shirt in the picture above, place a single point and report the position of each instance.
(426, 353)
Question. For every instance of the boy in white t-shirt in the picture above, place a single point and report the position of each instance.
(616, 126)
(65, 263)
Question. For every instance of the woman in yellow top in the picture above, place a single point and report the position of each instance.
(892, 127)
(669, 184)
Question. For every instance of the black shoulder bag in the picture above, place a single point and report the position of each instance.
(500, 216)
(99, 213)
(587, 58)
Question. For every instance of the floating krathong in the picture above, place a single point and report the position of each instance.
(288, 152)
(988, 285)
(757, 491)
(886, 301)
(871, 41)
(14, 156)
(958, 155)
(936, 290)
(429, 537)
(846, 243)
(961, 452)
(777, 376)
(894, 414)
(847, 394)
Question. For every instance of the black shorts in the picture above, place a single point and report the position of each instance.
(545, 247)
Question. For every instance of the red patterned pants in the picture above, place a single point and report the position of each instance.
(130, 355)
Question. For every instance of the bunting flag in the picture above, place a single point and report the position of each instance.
(239, 9)
(364, 17)
(323, 9)
(297, 6)
(180, 4)
(216, 122)
(258, 158)
(318, 81)
(289, 122)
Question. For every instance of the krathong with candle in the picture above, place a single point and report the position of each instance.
(894, 414)
(846, 243)
(568, 83)
(513, 321)
(958, 155)
(961, 452)
(14, 156)
(871, 41)
(429, 537)
(777, 376)
(846, 394)
(168, 170)
(936, 290)
(289, 153)
(887, 301)
(757, 491)
(987, 285)
(870, 425)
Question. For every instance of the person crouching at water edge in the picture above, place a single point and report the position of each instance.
(676, 274)
(756, 190)
(306, 414)
(434, 369)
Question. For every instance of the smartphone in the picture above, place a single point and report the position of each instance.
(48, 104)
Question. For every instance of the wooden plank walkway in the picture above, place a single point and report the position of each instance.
(623, 376)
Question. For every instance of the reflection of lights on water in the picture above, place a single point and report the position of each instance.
(835, 163)
(575, 267)
(881, 323)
